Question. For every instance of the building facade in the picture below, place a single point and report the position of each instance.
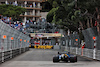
(33, 8)
(44, 0)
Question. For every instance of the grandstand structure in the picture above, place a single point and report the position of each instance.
(33, 8)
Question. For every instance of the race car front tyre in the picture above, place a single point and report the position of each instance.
(55, 59)
(73, 59)
(66, 60)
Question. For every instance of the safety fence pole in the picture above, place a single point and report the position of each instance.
(94, 50)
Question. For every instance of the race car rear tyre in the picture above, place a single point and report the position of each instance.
(75, 59)
(55, 59)
(72, 59)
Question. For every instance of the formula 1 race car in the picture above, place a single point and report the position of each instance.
(63, 56)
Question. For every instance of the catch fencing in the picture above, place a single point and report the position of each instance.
(91, 47)
(12, 42)
(88, 37)
(70, 41)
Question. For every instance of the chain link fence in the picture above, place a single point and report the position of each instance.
(88, 37)
(12, 42)
(70, 41)
(91, 47)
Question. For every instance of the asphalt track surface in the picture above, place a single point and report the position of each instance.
(43, 58)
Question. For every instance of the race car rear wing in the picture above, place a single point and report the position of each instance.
(63, 52)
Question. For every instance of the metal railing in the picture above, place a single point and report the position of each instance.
(90, 49)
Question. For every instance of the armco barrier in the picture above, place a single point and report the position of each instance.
(79, 51)
(88, 52)
(12, 42)
(98, 55)
(73, 50)
(91, 48)
(62, 48)
(92, 52)
(6, 55)
(84, 52)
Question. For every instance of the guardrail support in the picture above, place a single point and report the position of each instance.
(2, 56)
(94, 50)
(10, 53)
(76, 50)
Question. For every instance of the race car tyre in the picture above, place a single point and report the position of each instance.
(52, 47)
(76, 59)
(72, 59)
(66, 60)
(55, 59)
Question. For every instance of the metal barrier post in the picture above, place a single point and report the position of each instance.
(0, 50)
(2, 44)
(69, 45)
(76, 46)
(24, 45)
(20, 45)
(11, 39)
(76, 50)
(94, 50)
(2, 56)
